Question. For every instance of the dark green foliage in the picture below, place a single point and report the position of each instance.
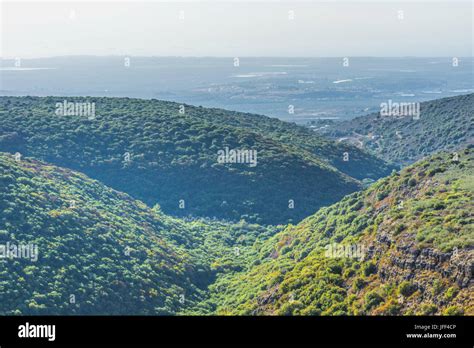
(406, 288)
(302, 278)
(369, 268)
(444, 124)
(110, 252)
(173, 156)
(118, 256)
(412, 182)
(372, 299)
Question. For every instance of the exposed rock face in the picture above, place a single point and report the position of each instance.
(407, 260)
(398, 259)
(415, 230)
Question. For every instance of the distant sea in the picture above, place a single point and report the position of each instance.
(293, 89)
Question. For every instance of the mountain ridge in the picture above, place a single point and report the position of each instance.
(172, 156)
(442, 124)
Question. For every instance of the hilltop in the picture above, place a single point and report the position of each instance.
(167, 153)
(443, 125)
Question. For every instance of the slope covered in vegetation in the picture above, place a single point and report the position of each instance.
(360, 164)
(405, 245)
(101, 252)
(162, 152)
(443, 124)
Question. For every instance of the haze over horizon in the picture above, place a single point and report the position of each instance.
(237, 29)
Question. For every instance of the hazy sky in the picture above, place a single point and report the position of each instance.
(237, 28)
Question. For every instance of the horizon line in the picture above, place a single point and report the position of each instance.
(220, 57)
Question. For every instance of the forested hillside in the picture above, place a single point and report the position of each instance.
(403, 246)
(101, 252)
(162, 152)
(360, 164)
(443, 124)
(94, 196)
